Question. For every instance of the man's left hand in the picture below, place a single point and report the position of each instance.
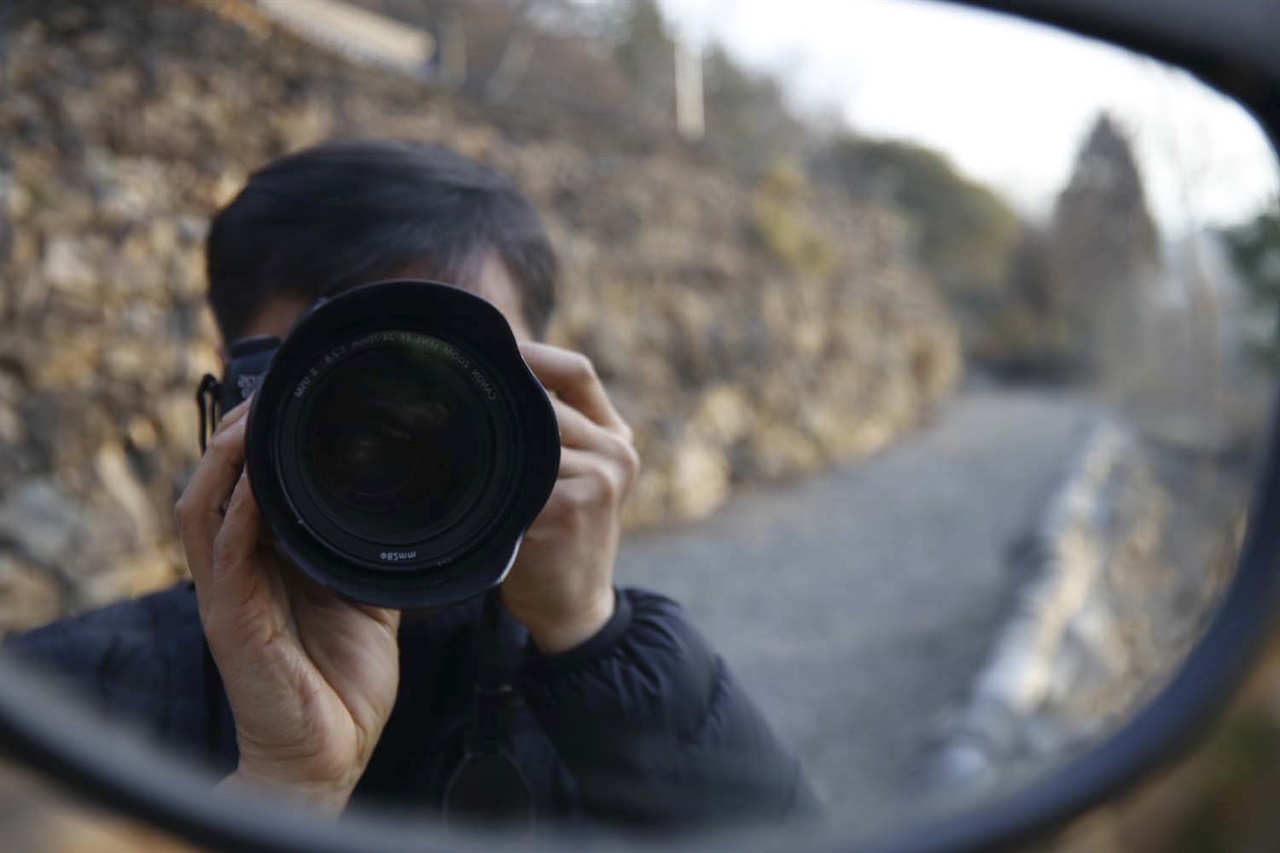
(561, 586)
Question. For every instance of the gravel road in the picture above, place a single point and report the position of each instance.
(858, 607)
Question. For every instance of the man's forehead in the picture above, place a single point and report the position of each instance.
(492, 282)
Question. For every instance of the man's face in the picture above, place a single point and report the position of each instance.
(493, 283)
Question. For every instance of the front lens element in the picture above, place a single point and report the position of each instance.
(394, 438)
(388, 437)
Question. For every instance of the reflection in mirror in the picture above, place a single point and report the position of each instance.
(942, 341)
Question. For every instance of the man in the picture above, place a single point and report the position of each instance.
(625, 714)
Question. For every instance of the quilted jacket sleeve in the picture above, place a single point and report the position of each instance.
(655, 729)
(140, 660)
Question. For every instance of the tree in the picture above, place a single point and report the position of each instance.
(750, 127)
(645, 52)
(1254, 250)
(963, 232)
(1104, 251)
(1103, 241)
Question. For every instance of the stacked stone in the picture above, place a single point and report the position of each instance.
(128, 124)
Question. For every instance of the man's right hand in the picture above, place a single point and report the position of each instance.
(311, 677)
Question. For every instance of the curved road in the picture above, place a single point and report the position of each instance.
(858, 607)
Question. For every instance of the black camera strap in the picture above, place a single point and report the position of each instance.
(248, 361)
(208, 393)
(488, 785)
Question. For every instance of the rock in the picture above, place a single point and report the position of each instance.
(67, 366)
(192, 229)
(17, 461)
(131, 360)
(41, 521)
(68, 266)
(779, 450)
(29, 597)
(12, 430)
(142, 433)
(117, 202)
(18, 199)
(143, 320)
(193, 362)
(648, 504)
(119, 481)
(65, 429)
(699, 480)
(11, 389)
(129, 576)
(179, 421)
(724, 415)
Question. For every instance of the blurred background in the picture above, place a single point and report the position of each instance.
(958, 330)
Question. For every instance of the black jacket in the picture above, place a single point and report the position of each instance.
(641, 726)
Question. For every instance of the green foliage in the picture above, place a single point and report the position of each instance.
(1028, 300)
(964, 233)
(782, 227)
(961, 232)
(1254, 250)
(1025, 336)
(643, 41)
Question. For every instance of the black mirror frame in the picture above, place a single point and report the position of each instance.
(1228, 45)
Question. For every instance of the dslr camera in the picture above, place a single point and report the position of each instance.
(398, 446)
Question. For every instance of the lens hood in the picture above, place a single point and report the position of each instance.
(398, 445)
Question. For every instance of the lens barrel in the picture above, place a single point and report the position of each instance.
(398, 446)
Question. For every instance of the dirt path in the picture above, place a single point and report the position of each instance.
(858, 607)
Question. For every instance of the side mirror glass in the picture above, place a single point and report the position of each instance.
(912, 365)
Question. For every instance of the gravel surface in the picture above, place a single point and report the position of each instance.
(858, 607)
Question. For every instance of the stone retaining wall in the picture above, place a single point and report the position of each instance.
(126, 125)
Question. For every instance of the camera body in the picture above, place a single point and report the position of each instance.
(397, 444)
(247, 362)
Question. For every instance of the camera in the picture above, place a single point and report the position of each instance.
(397, 444)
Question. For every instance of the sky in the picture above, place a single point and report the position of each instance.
(1007, 101)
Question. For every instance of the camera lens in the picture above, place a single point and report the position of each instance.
(393, 444)
(398, 445)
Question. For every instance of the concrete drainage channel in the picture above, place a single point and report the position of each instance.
(1062, 670)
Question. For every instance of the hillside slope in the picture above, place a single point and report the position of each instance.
(748, 332)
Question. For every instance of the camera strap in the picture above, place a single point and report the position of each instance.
(488, 785)
(208, 393)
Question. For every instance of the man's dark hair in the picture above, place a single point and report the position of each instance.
(346, 213)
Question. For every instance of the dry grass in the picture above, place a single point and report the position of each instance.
(1221, 799)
